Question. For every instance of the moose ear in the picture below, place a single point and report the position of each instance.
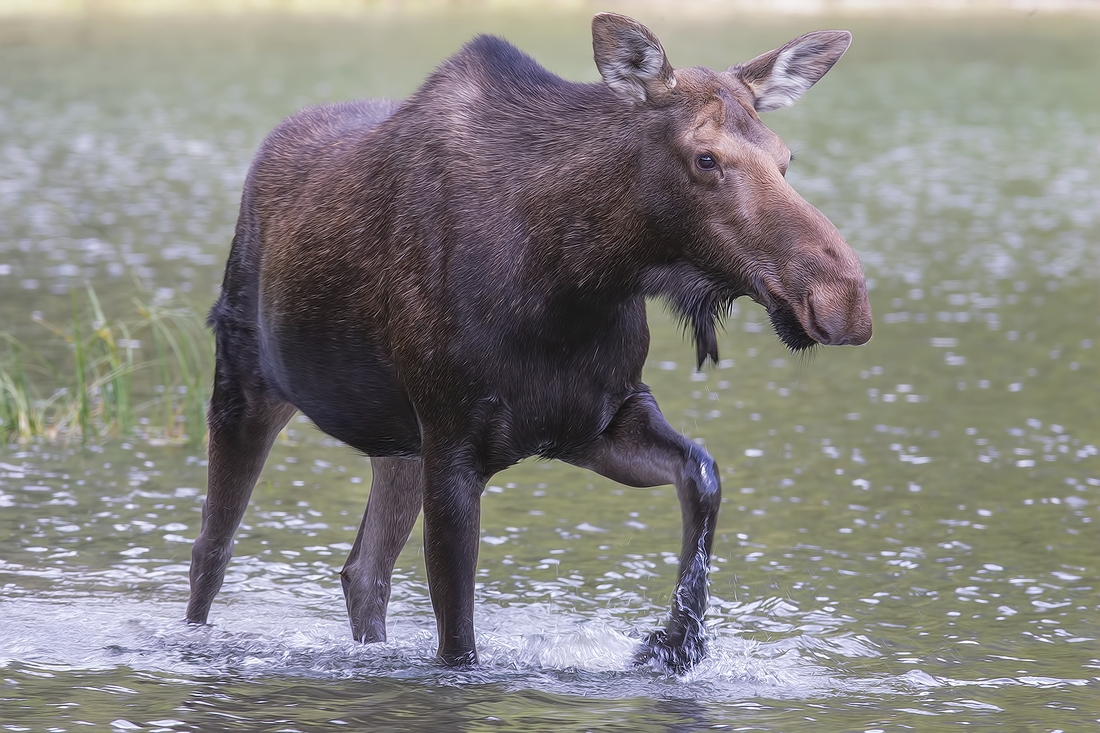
(630, 58)
(778, 78)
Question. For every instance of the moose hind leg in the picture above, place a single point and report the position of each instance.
(392, 507)
(241, 434)
(639, 448)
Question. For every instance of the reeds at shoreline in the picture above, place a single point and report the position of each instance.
(146, 375)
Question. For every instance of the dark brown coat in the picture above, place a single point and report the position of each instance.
(456, 282)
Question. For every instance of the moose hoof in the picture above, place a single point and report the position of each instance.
(676, 651)
(457, 658)
(368, 635)
(367, 627)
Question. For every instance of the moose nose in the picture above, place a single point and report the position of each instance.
(840, 313)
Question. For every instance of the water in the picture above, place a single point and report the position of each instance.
(905, 540)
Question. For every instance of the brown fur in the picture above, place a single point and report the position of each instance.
(456, 282)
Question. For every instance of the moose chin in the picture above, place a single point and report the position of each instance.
(455, 282)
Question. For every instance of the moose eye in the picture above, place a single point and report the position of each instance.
(706, 162)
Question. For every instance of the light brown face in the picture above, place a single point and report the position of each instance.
(758, 230)
(764, 239)
(723, 118)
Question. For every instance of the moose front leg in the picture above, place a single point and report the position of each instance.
(639, 448)
(452, 534)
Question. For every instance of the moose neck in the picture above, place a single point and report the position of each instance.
(561, 161)
(585, 220)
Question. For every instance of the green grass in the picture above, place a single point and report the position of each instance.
(94, 377)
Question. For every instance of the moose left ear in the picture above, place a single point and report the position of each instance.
(778, 78)
(630, 58)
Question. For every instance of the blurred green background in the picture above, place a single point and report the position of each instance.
(906, 535)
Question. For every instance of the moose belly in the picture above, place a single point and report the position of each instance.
(347, 387)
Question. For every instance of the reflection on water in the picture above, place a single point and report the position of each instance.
(905, 537)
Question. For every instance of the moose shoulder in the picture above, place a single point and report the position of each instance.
(456, 282)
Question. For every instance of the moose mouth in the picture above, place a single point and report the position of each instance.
(788, 328)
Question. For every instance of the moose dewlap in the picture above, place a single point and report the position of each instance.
(456, 282)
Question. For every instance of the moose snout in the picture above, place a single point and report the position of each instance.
(822, 284)
(839, 313)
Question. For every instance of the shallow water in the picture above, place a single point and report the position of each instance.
(905, 539)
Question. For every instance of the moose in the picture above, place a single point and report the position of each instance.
(456, 282)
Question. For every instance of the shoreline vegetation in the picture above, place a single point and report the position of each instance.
(682, 7)
(97, 378)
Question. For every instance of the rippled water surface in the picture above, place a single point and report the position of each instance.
(907, 535)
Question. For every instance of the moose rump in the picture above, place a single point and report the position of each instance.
(456, 282)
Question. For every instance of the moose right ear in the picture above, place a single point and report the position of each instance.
(778, 78)
(630, 58)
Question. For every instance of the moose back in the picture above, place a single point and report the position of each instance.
(456, 282)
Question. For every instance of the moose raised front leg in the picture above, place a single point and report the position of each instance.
(639, 448)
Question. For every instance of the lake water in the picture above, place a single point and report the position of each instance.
(906, 540)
